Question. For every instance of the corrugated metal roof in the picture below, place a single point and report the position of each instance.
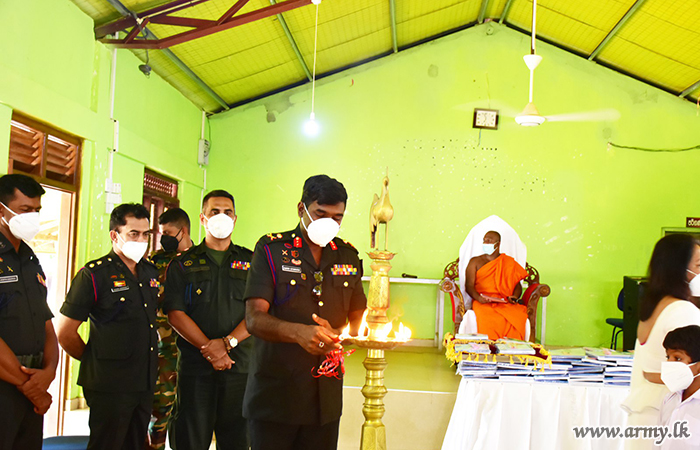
(658, 43)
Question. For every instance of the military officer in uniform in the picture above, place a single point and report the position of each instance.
(204, 301)
(304, 286)
(118, 293)
(28, 346)
(175, 237)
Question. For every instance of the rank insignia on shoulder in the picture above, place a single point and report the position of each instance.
(273, 236)
(240, 265)
(332, 245)
(41, 279)
(188, 263)
(344, 269)
(154, 283)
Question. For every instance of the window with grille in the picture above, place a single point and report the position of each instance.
(159, 195)
(47, 154)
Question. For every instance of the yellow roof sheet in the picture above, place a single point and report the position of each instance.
(660, 43)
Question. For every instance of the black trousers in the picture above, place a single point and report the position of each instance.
(281, 436)
(207, 404)
(118, 421)
(20, 427)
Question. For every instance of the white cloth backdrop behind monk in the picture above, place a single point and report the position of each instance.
(511, 245)
(499, 415)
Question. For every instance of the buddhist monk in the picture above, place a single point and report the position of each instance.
(493, 281)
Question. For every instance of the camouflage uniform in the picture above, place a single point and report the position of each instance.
(166, 383)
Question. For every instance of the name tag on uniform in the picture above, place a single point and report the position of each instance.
(9, 279)
(120, 285)
(292, 269)
(344, 269)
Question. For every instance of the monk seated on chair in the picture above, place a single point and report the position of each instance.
(493, 281)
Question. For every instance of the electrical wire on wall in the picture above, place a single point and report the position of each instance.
(653, 150)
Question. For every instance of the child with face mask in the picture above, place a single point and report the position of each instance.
(680, 374)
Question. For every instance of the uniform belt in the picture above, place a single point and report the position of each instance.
(35, 361)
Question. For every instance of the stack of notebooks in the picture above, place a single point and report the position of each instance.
(570, 365)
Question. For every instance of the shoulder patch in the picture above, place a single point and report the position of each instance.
(277, 237)
(99, 263)
(344, 243)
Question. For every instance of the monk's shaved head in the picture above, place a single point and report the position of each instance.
(493, 236)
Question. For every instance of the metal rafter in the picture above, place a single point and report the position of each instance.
(630, 12)
(206, 30)
(482, 11)
(690, 89)
(293, 43)
(174, 59)
(392, 14)
(506, 10)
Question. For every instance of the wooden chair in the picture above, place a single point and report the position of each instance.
(531, 295)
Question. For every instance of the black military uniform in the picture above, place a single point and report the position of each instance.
(281, 388)
(23, 316)
(119, 366)
(208, 400)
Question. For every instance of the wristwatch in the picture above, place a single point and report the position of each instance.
(231, 343)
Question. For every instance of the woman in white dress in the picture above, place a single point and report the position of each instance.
(664, 306)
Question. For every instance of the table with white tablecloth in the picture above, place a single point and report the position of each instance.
(495, 415)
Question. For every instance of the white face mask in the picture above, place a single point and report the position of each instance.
(321, 231)
(489, 248)
(677, 375)
(220, 226)
(694, 284)
(23, 226)
(133, 250)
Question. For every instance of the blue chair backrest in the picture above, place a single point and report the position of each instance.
(621, 300)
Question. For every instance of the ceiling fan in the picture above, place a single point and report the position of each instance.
(530, 116)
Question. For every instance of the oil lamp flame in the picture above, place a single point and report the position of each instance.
(404, 333)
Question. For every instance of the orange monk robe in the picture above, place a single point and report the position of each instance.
(498, 278)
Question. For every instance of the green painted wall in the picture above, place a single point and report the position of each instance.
(589, 214)
(52, 69)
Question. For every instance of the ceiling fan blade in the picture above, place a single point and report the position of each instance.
(603, 115)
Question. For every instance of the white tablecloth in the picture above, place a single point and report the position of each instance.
(494, 415)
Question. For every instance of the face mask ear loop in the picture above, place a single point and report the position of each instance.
(302, 218)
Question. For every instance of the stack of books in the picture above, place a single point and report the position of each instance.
(484, 359)
(617, 369)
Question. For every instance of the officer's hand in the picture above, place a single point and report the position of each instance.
(324, 323)
(40, 400)
(42, 403)
(214, 349)
(224, 363)
(39, 379)
(317, 340)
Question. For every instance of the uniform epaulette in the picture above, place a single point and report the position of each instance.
(343, 243)
(240, 248)
(181, 256)
(273, 237)
(98, 263)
